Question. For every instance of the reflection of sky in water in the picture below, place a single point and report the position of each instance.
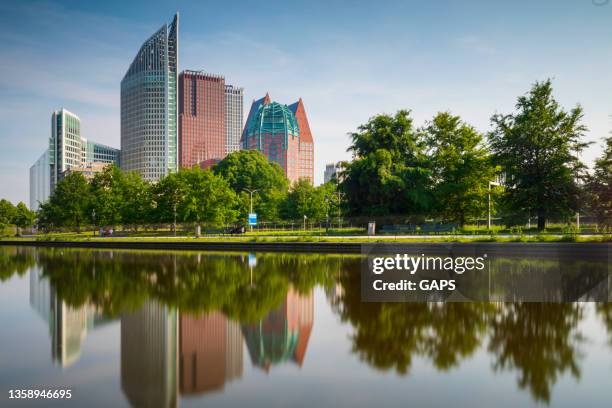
(331, 374)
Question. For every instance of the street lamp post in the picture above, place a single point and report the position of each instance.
(93, 217)
(251, 194)
(491, 183)
(174, 226)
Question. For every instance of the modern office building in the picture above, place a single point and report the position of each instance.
(210, 352)
(210, 118)
(331, 169)
(65, 144)
(67, 150)
(149, 108)
(40, 181)
(234, 114)
(282, 133)
(98, 153)
(201, 117)
(306, 154)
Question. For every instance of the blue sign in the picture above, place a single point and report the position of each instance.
(252, 219)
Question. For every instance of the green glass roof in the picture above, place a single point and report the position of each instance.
(273, 118)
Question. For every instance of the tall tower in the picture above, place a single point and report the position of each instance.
(65, 144)
(201, 118)
(306, 162)
(234, 112)
(282, 133)
(274, 131)
(149, 109)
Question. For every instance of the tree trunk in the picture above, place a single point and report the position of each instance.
(541, 220)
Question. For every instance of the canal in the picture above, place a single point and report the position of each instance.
(186, 328)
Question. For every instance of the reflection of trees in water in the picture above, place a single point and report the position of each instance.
(605, 311)
(15, 261)
(389, 335)
(117, 281)
(538, 340)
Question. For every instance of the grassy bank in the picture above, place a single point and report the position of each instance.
(314, 238)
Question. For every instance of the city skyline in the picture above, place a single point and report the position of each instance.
(429, 63)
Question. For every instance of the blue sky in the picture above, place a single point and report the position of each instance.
(348, 60)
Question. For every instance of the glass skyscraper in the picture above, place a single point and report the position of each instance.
(149, 110)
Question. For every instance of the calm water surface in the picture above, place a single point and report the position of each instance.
(129, 328)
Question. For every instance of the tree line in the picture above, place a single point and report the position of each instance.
(213, 197)
(446, 169)
(18, 215)
(527, 166)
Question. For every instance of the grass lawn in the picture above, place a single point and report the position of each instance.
(87, 236)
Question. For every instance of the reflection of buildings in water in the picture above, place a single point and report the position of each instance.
(149, 356)
(210, 352)
(283, 334)
(68, 326)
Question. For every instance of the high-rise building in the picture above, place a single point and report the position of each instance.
(67, 150)
(98, 153)
(210, 118)
(330, 171)
(234, 107)
(210, 352)
(273, 130)
(201, 117)
(306, 155)
(282, 133)
(65, 144)
(40, 181)
(149, 108)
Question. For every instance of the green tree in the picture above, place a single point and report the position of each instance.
(169, 195)
(304, 200)
(136, 199)
(461, 168)
(538, 149)
(208, 197)
(249, 169)
(106, 196)
(68, 205)
(599, 187)
(389, 173)
(23, 217)
(7, 212)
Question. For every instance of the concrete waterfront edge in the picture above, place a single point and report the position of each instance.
(520, 248)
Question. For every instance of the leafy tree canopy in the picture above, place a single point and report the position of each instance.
(538, 147)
